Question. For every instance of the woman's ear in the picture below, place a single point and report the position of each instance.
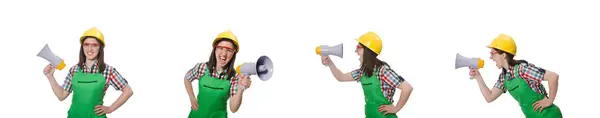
(503, 55)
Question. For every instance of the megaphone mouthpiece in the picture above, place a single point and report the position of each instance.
(318, 50)
(237, 69)
(480, 63)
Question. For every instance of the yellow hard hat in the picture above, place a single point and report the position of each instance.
(505, 43)
(93, 32)
(372, 41)
(229, 35)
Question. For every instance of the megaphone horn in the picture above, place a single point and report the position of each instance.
(263, 68)
(54, 60)
(325, 50)
(462, 61)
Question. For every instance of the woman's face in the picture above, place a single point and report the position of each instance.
(496, 57)
(359, 50)
(224, 52)
(91, 46)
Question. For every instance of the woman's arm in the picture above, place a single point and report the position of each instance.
(552, 79)
(193, 74)
(236, 99)
(115, 79)
(190, 91)
(406, 89)
(337, 73)
(489, 95)
(125, 95)
(59, 92)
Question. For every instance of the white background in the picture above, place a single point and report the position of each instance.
(153, 44)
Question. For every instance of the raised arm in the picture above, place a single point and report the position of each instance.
(337, 73)
(59, 91)
(489, 95)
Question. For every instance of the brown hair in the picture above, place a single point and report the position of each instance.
(101, 65)
(370, 61)
(510, 59)
(212, 61)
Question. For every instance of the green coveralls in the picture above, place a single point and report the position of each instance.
(212, 98)
(525, 96)
(374, 97)
(88, 91)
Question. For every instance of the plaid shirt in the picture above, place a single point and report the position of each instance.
(113, 77)
(389, 80)
(530, 73)
(202, 68)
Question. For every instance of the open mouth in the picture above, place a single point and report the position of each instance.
(222, 59)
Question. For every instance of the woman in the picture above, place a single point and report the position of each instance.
(521, 79)
(89, 80)
(379, 81)
(218, 80)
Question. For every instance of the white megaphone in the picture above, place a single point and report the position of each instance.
(263, 68)
(325, 50)
(473, 63)
(54, 60)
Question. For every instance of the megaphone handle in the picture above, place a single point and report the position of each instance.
(472, 77)
(244, 87)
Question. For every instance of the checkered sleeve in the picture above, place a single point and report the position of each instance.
(196, 72)
(356, 74)
(533, 76)
(500, 83)
(67, 83)
(390, 77)
(234, 84)
(531, 73)
(115, 79)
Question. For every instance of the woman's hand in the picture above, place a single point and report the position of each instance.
(245, 82)
(194, 103)
(474, 73)
(49, 70)
(541, 104)
(101, 110)
(325, 60)
(388, 109)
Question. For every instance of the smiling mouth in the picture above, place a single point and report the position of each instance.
(222, 58)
